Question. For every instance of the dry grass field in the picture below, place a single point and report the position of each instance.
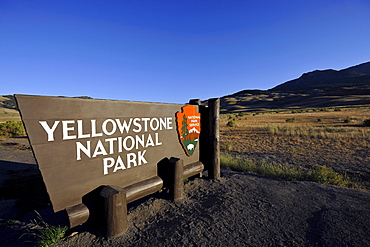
(336, 138)
(7, 111)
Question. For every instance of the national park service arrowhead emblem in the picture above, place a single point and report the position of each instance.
(188, 128)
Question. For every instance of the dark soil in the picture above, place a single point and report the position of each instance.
(237, 210)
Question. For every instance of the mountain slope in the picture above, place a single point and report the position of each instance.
(319, 79)
(316, 89)
(361, 68)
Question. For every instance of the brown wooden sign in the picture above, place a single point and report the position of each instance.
(81, 144)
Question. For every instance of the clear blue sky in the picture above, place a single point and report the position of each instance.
(172, 51)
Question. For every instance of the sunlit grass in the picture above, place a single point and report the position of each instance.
(321, 174)
(317, 131)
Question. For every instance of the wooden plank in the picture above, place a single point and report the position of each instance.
(77, 214)
(193, 169)
(143, 188)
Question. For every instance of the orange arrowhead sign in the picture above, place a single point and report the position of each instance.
(188, 128)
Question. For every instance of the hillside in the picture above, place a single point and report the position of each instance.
(8, 109)
(324, 79)
(316, 89)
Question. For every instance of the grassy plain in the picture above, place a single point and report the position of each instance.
(306, 139)
(7, 110)
(9, 115)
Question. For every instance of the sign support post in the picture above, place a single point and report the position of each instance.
(210, 136)
(178, 178)
(115, 211)
(214, 137)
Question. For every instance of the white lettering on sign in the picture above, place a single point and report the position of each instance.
(67, 128)
(80, 129)
(124, 126)
(48, 130)
(134, 145)
(132, 160)
(93, 129)
(112, 128)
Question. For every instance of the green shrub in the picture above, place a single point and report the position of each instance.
(326, 175)
(298, 150)
(367, 122)
(337, 109)
(319, 120)
(290, 120)
(348, 120)
(231, 123)
(229, 146)
(12, 128)
(299, 111)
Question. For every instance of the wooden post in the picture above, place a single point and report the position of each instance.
(178, 178)
(115, 210)
(210, 136)
(204, 138)
(195, 102)
(214, 138)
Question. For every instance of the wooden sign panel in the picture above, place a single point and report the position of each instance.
(81, 144)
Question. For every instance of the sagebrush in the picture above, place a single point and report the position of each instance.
(12, 128)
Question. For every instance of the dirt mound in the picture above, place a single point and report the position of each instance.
(237, 210)
(245, 210)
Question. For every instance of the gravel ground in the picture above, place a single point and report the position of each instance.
(237, 210)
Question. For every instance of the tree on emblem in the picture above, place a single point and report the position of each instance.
(184, 128)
